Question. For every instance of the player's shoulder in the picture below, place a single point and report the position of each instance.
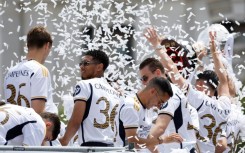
(176, 90)
(86, 82)
(223, 102)
(37, 67)
(132, 102)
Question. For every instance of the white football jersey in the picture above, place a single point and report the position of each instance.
(21, 126)
(213, 115)
(102, 104)
(183, 118)
(26, 81)
(233, 128)
(133, 114)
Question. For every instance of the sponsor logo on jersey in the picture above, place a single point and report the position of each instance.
(136, 104)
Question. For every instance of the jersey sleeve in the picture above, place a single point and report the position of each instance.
(129, 116)
(194, 97)
(170, 107)
(82, 91)
(40, 84)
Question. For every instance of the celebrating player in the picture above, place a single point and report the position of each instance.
(96, 104)
(212, 113)
(28, 83)
(136, 122)
(175, 115)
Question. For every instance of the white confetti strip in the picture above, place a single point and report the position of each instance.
(221, 15)
(1, 51)
(203, 8)
(238, 23)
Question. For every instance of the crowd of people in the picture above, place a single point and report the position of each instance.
(168, 113)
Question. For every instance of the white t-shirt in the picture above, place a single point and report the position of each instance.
(134, 115)
(21, 126)
(102, 105)
(233, 128)
(183, 116)
(26, 81)
(213, 115)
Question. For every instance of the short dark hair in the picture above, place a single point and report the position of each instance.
(99, 56)
(162, 84)
(153, 64)
(56, 122)
(38, 36)
(210, 77)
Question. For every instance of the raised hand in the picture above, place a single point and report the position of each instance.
(212, 36)
(152, 37)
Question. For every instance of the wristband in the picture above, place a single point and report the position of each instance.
(160, 140)
(159, 47)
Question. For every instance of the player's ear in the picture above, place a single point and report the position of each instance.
(152, 91)
(46, 45)
(158, 72)
(48, 124)
(100, 67)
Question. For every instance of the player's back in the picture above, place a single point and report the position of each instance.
(213, 115)
(102, 104)
(20, 125)
(28, 80)
(180, 111)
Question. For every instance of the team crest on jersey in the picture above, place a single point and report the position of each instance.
(164, 105)
(77, 90)
(136, 104)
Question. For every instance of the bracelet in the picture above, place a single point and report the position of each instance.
(159, 47)
(160, 140)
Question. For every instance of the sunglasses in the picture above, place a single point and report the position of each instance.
(144, 78)
(86, 63)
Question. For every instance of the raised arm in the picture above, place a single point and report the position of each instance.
(223, 88)
(167, 62)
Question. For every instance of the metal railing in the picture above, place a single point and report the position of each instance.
(62, 149)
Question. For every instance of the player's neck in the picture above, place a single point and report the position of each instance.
(35, 55)
(141, 97)
(99, 75)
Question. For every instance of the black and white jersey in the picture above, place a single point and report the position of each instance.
(102, 104)
(134, 115)
(183, 116)
(213, 115)
(26, 81)
(21, 126)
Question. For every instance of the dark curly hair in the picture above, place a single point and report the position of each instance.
(210, 77)
(99, 56)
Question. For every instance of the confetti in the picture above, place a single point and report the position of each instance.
(203, 8)
(221, 15)
(114, 26)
